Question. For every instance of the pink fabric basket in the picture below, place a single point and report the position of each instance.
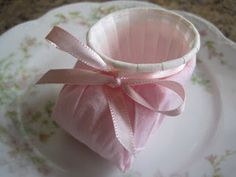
(134, 41)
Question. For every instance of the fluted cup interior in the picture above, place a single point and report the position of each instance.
(143, 36)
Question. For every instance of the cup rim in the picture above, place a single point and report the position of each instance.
(148, 67)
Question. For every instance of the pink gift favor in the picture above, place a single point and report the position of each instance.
(127, 79)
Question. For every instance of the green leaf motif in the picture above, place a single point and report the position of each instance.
(48, 107)
(199, 80)
(14, 78)
(101, 11)
(13, 74)
(60, 18)
(213, 53)
(38, 123)
(27, 44)
(217, 160)
(74, 14)
(210, 44)
(87, 20)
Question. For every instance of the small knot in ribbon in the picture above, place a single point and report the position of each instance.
(116, 82)
(115, 86)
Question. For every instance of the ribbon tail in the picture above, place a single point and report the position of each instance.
(120, 118)
(68, 43)
(74, 76)
(174, 86)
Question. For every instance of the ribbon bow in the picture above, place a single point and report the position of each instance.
(115, 84)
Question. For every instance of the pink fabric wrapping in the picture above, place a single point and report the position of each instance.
(83, 110)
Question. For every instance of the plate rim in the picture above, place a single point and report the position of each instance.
(208, 23)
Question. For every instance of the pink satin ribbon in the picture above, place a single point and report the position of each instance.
(115, 84)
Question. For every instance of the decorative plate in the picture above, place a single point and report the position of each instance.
(199, 143)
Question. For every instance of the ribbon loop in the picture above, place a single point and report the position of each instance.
(68, 43)
(174, 86)
(118, 86)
